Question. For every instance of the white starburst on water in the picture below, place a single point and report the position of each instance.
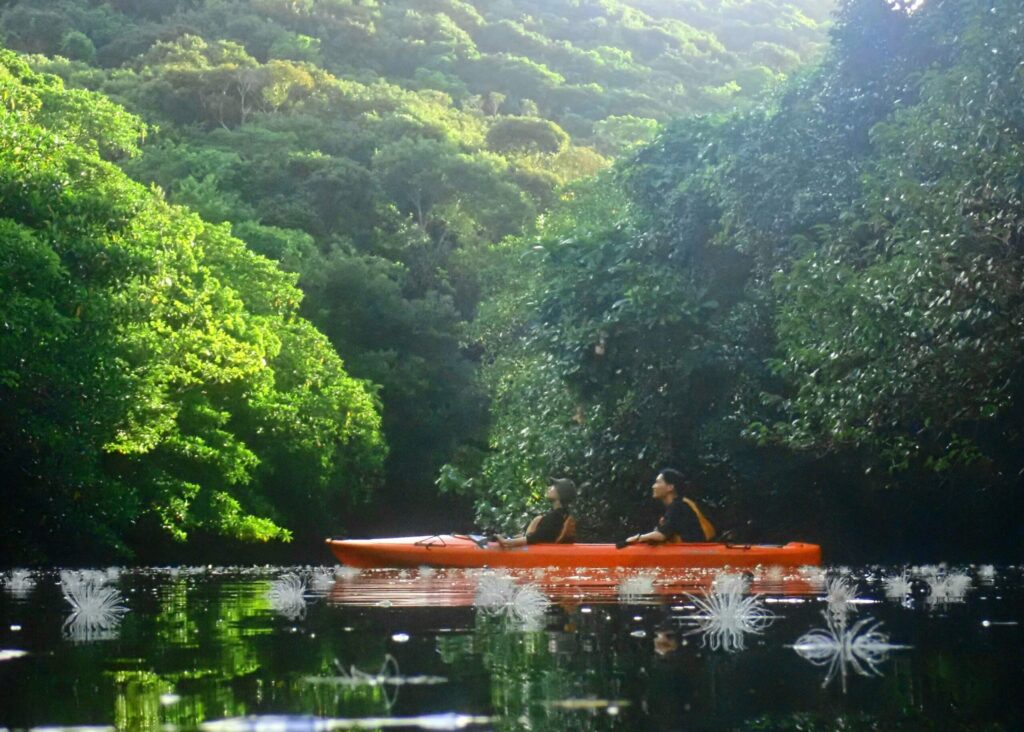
(346, 572)
(635, 588)
(387, 678)
(287, 596)
(861, 646)
(321, 579)
(898, 587)
(498, 594)
(814, 575)
(947, 589)
(96, 609)
(426, 572)
(730, 582)
(840, 594)
(725, 616)
(494, 590)
(19, 582)
(774, 573)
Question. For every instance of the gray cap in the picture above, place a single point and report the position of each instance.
(565, 489)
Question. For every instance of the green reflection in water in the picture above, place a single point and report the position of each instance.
(551, 679)
(199, 647)
(216, 651)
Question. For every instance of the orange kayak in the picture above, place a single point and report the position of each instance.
(448, 550)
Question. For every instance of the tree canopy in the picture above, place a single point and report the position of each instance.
(814, 306)
(154, 372)
(377, 150)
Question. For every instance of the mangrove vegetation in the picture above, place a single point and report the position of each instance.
(277, 269)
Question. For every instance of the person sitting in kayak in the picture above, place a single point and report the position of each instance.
(554, 527)
(677, 524)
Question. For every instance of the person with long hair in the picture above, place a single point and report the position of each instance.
(555, 526)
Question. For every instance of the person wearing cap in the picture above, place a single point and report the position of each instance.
(554, 527)
(682, 520)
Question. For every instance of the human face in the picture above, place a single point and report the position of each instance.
(660, 489)
(552, 494)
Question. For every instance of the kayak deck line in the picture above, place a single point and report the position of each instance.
(455, 550)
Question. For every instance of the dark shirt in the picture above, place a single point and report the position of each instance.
(549, 527)
(679, 523)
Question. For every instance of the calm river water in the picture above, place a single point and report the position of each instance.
(304, 649)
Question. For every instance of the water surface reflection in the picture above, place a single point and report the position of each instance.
(330, 648)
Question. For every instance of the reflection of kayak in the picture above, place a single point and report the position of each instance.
(446, 550)
(454, 587)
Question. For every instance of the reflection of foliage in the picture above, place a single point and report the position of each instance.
(207, 637)
(550, 680)
(524, 672)
(861, 646)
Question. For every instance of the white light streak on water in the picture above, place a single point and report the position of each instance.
(589, 704)
(447, 721)
(388, 678)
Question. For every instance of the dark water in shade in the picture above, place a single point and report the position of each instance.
(299, 649)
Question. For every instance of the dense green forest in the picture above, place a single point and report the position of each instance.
(816, 305)
(375, 152)
(265, 259)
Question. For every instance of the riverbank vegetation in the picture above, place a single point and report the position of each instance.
(815, 305)
(479, 243)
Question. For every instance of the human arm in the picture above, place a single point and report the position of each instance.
(522, 539)
(651, 537)
(509, 543)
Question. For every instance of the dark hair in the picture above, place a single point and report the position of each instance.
(565, 489)
(674, 478)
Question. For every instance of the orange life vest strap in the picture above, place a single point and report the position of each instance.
(705, 526)
(568, 533)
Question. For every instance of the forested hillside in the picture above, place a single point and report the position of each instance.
(815, 307)
(374, 150)
(155, 376)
